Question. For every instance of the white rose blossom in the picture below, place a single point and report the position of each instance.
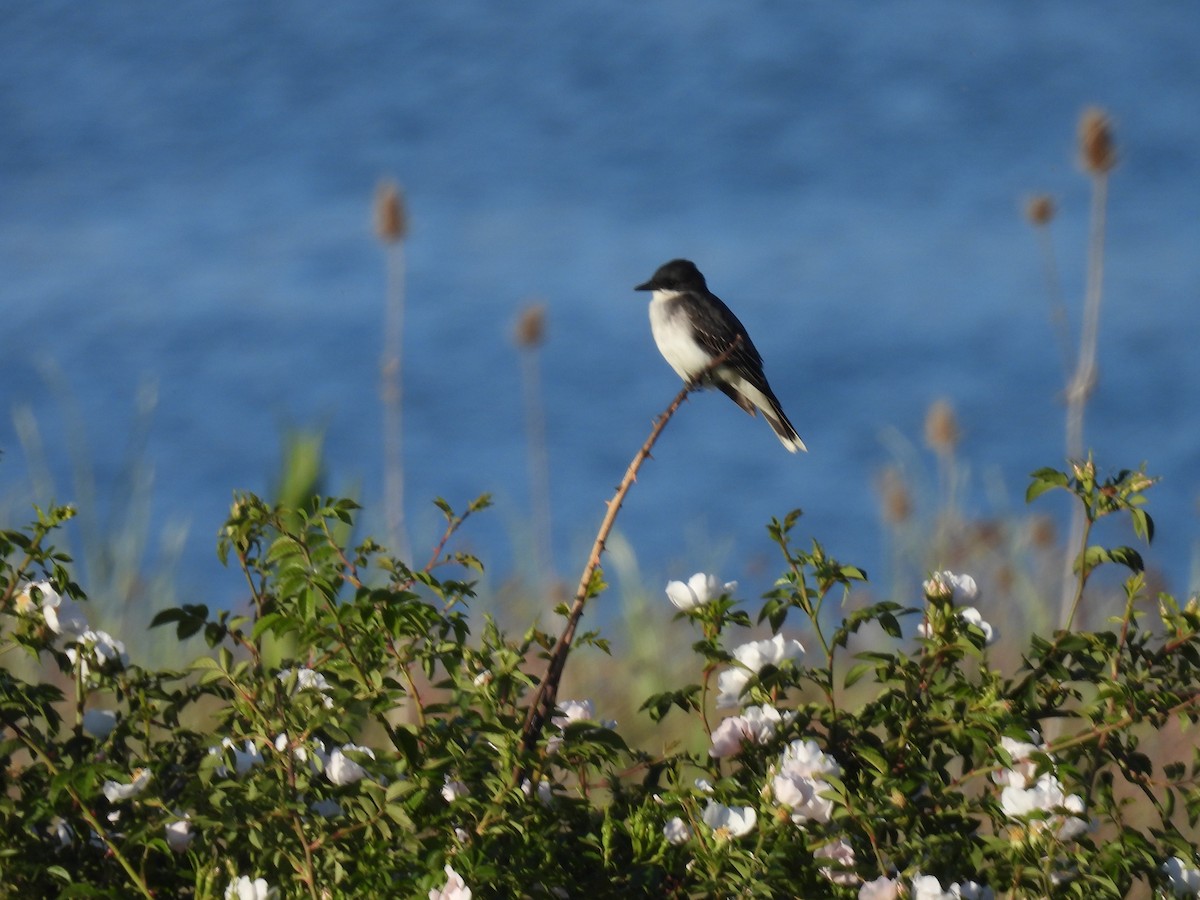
(245, 888)
(971, 616)
(97, 650)
(179, 834)
(243, 760)
(114, 791)
(799, 781)
(756, 724)
(62, 615)
(1024, 770)
(697, 591)
(1184, 880)
(574, 711)
(753, 657)
(927, 887)
(545, 791)
(309, 680)
(841, 853)
(882, 888)
(677, 832)
(948, 586)
(452, 790)
(340, 769)
(728, 822)
(1067, 819)
(454, 889)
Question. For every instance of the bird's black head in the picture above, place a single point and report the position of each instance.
(677, 275)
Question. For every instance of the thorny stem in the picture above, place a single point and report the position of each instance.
(544, 699)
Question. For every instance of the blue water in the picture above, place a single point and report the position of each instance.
(185, 196)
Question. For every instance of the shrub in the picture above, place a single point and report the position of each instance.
(351, 736)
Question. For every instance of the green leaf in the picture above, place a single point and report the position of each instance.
(1044, 480)
(856, 673)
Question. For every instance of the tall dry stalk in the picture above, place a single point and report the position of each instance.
(530, 334)
(391, 226)
(1098, 156)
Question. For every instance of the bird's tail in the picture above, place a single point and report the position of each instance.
(751, 397)
(782, 427)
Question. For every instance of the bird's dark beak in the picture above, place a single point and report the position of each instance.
(647, 286)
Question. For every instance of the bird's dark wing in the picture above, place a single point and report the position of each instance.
(715, 326)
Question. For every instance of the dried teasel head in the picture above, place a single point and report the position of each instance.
(1097, 150)
(531, 325)
(941, 427)
(1040, 209)
(391, 218)
(896, 498)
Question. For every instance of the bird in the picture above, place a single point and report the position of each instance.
(692, 327)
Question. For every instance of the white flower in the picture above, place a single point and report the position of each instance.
(697, 591)
(677, 831)
(454, 889)
(971, 890)
(1024, 769)
(882, 888)
(805, 757)
(244, 889)
(545, 790)
(802, 795)
(243, 760)
(63, 616)
(1047, 796)
(703, 785)
(116, 791)
(99, 649)
(800, 781)
(1184, 881)
(452, 790)
(99, 723)
(179, 834)
(574, 711)
(753, 658)
(756, 724)
(948, 586)
(341, 769)
(971, 616)
(729, 822)
(927, 887)
(841, 853)
(309, 680)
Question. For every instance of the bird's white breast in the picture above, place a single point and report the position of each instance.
(673, 334)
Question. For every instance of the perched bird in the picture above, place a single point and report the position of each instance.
(692, 327)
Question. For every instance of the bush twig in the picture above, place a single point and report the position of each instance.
(544, 700)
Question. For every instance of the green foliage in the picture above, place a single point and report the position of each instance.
(353, 732)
